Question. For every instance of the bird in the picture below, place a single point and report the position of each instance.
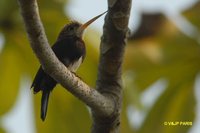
(70, 49)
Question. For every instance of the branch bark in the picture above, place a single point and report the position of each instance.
(105, 101)
(111, 57)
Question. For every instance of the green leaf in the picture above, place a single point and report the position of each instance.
(175, 105)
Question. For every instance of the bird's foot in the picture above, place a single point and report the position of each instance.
(76, 75)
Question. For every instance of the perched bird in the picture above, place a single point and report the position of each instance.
(70, 50)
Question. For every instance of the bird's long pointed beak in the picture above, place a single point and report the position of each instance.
(85, 25)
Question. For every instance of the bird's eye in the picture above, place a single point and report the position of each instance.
(71, 28)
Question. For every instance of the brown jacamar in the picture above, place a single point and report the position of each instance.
(70, 50)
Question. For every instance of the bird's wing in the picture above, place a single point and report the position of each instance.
(37, 80)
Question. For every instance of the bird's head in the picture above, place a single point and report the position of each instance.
(77, 29)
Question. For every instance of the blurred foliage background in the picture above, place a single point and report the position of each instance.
(157, 53)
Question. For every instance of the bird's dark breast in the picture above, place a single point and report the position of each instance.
(69, 50)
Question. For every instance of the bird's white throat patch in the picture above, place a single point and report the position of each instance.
(73, 67)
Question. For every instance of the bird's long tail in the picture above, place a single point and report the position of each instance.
(44, 83)
(44, 104)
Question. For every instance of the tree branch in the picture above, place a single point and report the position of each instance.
(52, 66)
(111, 57)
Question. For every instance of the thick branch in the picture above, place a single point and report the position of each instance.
(111, 57)
(54, 67)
